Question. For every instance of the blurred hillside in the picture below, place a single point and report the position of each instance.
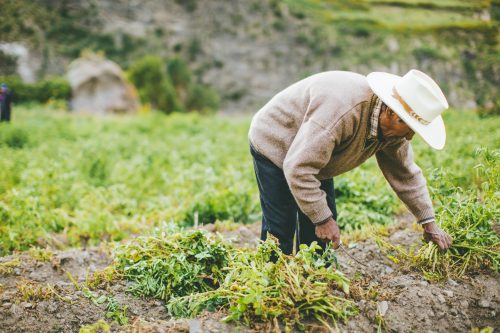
(250, 49)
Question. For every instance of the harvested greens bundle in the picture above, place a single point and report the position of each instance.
(469, 215)
(172, 265)
(193, 272)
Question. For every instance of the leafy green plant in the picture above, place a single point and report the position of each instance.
(292, 289)
(114, 310)
(172, 265)
(192, 272)
(469, 216)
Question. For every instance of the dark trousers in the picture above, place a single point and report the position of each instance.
(281, 216)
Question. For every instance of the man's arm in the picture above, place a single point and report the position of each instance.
(310, 151)
(405, 177)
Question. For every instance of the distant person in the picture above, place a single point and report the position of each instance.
(330, 123)
(5, 102)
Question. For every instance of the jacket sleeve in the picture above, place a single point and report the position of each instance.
(309, 152)
(406, 179)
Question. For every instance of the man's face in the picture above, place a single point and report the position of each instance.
(393, 126)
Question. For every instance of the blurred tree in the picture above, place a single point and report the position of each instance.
(179, 72)
(180, 75)
(202, 98)
(171, 87)
(154, 85)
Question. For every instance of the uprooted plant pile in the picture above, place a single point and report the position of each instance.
(469, 215)
(193, 272)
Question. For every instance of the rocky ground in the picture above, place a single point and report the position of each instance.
(402, 301)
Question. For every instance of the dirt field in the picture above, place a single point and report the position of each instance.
(403, 301)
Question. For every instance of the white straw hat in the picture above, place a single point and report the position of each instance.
(416, 99)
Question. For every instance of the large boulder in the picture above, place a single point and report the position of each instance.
(99, 86)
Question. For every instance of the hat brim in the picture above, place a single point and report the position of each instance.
(382, 85)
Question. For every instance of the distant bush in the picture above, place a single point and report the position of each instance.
(168, 86)
(153, 84)
(189, 5)
(489, 109)
(41, 91)
(202, 98)
(194, 48)
(427, 53)
(279, 25)
(313, 39)
(298, 14)
(8, 64)
(179, 72)
(360, 28)
(275, 7)
(14, 137)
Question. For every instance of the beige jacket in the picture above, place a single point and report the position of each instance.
(319, 128)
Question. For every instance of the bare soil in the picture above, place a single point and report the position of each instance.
(403, 301)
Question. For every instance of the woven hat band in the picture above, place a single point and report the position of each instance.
(408, 109)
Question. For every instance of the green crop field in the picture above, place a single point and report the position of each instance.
(150, 222)
(71, 180)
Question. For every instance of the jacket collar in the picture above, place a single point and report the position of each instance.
(373, 134)
(376, 105)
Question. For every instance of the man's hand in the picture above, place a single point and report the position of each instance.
(329, 232)
(433, 233)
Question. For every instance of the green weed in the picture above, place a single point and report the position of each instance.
(100, 326)
(32, 291)
(114, 310)
(486, 329)
(40, 254)
(102, 278)
(7, 267)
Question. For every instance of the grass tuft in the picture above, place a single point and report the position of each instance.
(101, 279)
(40, 254)
(7, 267)
(99, 326)
(32, 291)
